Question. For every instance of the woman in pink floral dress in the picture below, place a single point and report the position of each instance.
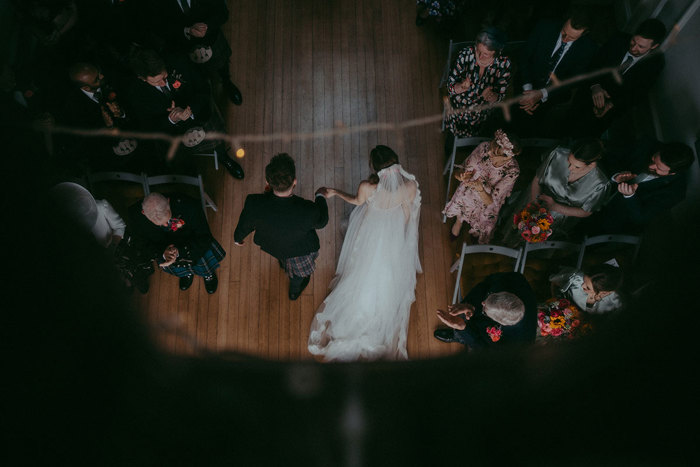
(487, 179)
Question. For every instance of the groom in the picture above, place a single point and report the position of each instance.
(285, 224)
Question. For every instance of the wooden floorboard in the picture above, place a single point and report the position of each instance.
(304, 66)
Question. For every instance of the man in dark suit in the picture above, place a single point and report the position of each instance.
(172, 97)
(174, 232)
(285, 224)
(564, 50)
(502, 309)
(193, 27)
(653, 184)
(606, 99)
(93, 103)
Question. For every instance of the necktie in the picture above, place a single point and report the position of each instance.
(165, 90)
(554, 59)
(626, 64)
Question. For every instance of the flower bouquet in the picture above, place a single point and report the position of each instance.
(534, 223)
(559, 318)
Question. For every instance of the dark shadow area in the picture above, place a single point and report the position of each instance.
(86, 384)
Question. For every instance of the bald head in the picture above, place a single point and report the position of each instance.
(86, 75)
(156, 208)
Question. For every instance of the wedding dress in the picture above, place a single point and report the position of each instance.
(365, 316)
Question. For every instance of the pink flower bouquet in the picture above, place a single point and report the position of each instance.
(534, 223)
(560, 318)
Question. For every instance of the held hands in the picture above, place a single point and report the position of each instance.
(548, 202)
(599, 96)
(627, 189)
(178, 114)
(489, 96)
(326, 192)
(463, 86)
(530, 100)
(198, 30)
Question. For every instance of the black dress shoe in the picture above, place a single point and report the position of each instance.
(445, 335)
(233, 93)
(211, 283)
(294, 294)
(186, 282)
(233, 167)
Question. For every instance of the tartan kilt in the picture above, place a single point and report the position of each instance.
(204, 266)
(301, 266)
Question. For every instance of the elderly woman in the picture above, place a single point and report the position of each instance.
(569, 184)
(593, 291)
(480, 76)
(487, 179)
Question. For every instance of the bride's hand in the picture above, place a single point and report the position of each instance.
(326, 192)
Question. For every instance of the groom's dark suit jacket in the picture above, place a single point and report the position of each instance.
(284, 227)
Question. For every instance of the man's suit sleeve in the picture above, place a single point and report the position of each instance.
(201, 236)
(322, 209)
(246, 222)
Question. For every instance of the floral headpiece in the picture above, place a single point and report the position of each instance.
(503, 141)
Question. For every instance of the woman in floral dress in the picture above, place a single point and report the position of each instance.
(488, 177)
(480, 76)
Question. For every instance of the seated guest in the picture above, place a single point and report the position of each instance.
(594, 291)
(172, 98)
(97, 217)
(569, 184)
(552, 48)
(487, 179)
(654, 184)
(500, 310)
(93, 103)
(175, 233)
(607, 100)
(193, 27)
(480, 76)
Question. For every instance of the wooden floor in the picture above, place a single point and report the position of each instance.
(304, 66)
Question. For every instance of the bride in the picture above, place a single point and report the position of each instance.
(365, 316)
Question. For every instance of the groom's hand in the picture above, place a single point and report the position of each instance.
(323, 191)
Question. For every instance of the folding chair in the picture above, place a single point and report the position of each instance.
(184, 180)
(121, 189)
(631, 240)
(452, 52)
(208, 148)
(450, 166)
(484, 250)
(538, 270)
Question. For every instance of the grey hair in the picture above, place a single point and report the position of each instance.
(156, 206)
(505, 308)
(490, 40)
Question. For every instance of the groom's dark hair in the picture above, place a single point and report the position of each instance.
(280, 172)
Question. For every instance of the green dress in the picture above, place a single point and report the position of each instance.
(588, 193)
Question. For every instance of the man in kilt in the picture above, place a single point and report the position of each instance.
(175, 233)
(285, 224)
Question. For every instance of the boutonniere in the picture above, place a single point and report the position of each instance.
(112, 96)
(28, 93)
(175, 224)
(494, 333)
(175, 79)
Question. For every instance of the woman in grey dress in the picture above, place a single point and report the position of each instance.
(569, 184)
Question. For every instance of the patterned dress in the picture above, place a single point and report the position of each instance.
(497, 76)
(467, 204)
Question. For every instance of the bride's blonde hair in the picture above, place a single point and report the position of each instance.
(380, 158)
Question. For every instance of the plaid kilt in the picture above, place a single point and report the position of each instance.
(301, 266)
(204, 266)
